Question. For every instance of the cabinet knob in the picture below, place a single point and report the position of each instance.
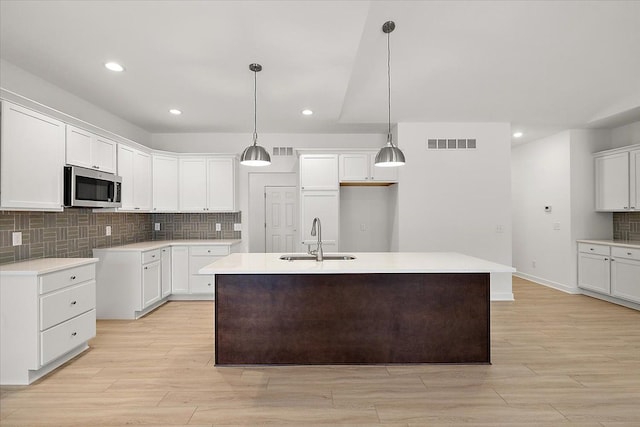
(74, 302)
(208, 284)
(146, 268)
(72, 277)
(153, 256)
(626, 207)
(612, 259)
(629, 253)
(591, 249)
(606, 259)
(74, 334)
(209, 250)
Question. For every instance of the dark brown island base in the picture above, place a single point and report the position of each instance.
(320, 313)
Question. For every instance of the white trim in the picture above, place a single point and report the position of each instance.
(502, 296)
(548, 283)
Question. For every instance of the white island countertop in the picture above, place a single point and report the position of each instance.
(365, 262)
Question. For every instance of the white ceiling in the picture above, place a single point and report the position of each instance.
(543, 66)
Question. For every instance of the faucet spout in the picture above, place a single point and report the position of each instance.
(317, 231)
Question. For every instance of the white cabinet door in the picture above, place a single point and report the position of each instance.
(103, 154)
(221, 184)
(326, 206)
(634, 179)
(142, 181)
(180, 269)
(594, 272)
(151, 280)
(199, 283)
(612, 182)
(166, 272)
(165, 183)
(319, 172)
(126, 157)
(625, 279)
(382, 174)
(354, 167)
(31, 160)
(78, 147)
(193, 184)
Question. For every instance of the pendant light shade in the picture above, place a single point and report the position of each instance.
(389, 155)
(255, 155)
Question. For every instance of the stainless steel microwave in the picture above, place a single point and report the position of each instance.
(90, 188)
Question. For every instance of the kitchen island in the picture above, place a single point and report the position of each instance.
(377, 308)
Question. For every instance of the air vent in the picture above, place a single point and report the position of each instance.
(283, 151)
(451, 144)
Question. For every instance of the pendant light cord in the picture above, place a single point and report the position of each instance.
(389, 78)
(255, 107)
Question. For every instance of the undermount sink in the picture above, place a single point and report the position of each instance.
(307, 257)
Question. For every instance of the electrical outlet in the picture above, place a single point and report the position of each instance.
(156, 226)
(556, 226)
(218, 227)
(16, 238)
(363, 227)
(107, 230)
(499, 228)
(237, 227)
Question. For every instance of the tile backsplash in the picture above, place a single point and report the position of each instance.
(626, 225)
(76, 232)
(196, 225)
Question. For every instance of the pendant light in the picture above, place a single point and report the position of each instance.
(389, 155)
(255, 155)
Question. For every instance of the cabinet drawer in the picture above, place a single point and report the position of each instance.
(629, 253)
(151, 256)
(66, 303)
(68, 277)
(209, 250)
(593, 249)
(201, 284)
(56, 341)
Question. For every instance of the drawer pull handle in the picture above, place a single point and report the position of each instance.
(74, 302)
(153, 256)
(74, 334)
(591, 249)
(629, 253)
(606, 259)
(208, 284)
(209, 251)
(73, 277)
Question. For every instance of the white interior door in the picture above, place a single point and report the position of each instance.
(280, 218)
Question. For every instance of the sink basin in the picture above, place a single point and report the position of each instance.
(307, 257)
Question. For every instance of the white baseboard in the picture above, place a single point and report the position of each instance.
(501, 296)
(548, 283)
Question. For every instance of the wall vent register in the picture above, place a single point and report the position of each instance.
(451, 144)
(283, 151)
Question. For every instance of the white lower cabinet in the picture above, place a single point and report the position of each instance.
(151, 283)
(188, 260)
(48, 315)
(612, 271)
(165, 285)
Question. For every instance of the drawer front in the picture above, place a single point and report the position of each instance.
(629, 253)
(151, 256)
(66, 303)
(593, 249)
(209, 250)
(201, 284)
(71, 276)
(56, 341)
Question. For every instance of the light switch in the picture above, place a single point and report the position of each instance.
(17, 238)
(218, 227)
(107, 230)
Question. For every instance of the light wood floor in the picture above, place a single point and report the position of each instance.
(558, 359)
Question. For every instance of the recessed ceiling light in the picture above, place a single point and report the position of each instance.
(114, 66)
(307, 112)
(517, 134)
(175, 112)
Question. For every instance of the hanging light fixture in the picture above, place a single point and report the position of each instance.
(389, 155)
(255, 155)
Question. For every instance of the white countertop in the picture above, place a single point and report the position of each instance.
(635, 244)
(365, 262)
(42, 266)
(157, 244)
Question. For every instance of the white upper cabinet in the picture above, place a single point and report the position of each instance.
(207, 184)
(618, 181)
(31, 160)
(134, 166)
(319, 172)
(89, 150)
(359, 167)
(165, 183)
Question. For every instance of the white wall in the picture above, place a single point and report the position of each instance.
(557, 170)
(21, 87)
(625, 135)
(455, 200)
(365, 221)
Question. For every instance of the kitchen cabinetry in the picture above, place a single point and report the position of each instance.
(319, 172)
(134, 166)
(610, 270)
(129, 282)
(187, 272)
(360, 168)
(165, 182)
(31, 160)
(89, 150)
(48, 315)
(618, 180)
(207, 184)
(165, 258)
(180, 270)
